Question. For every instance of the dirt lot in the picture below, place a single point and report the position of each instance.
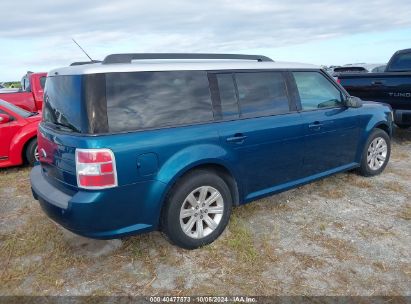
(344, 235)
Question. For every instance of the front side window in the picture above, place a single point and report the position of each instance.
(316, 91)
(143, 100)
(261, 93)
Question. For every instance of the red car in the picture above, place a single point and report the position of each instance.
(18, 135)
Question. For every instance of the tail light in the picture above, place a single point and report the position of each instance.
(338, 80)
(96, 168)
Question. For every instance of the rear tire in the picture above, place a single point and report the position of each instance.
(376, 153)
(197, 210)
(32, 152)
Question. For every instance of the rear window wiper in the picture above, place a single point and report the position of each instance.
(65, 127)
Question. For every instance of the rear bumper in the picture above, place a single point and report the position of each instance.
(103, 214)
(402, 117)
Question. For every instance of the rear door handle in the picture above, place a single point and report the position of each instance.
(237, 138)
(378, 82)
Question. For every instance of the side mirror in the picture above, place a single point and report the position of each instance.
(4, 118)
(353, 102)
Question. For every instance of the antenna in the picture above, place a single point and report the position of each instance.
(82, 49)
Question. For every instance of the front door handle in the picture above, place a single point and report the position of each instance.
(237, 138)
(315, 125)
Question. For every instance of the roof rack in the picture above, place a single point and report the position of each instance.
(127, 58)
(84, 62)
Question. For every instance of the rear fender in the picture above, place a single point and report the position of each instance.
(195, 156)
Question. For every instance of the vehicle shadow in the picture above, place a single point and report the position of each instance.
(402, 136)
(15, 169)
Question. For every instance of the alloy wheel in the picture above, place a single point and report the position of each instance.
(377, 153)
(36, 153)
(201, 212)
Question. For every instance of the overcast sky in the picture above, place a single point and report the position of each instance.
(36, 35)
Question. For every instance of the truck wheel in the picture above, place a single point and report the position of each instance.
(376, 153)
(32, 154)
(197, 210)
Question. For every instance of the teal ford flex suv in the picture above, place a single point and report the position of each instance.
(141, 142)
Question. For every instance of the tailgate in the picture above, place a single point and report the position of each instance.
(391, 88)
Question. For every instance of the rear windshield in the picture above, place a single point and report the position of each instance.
(401, 62)
(63, 103)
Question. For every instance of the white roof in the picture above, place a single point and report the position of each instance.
(176, 65)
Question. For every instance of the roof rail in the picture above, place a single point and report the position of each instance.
(127, 58)
(84, 62)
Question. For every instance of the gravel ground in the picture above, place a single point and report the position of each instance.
(344, 235)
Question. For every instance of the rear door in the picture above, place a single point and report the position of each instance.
(331, 129)
(259, 127)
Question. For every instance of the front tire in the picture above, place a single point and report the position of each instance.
(32, 152)
(197, 210)
(376, 154)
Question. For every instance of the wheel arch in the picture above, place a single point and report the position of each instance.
(217, 168)
(18, 147)
(380, 125)
(385, 127)
(24, 148)
(212, 166)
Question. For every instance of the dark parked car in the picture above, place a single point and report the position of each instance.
(393, 86)
(175, 145)
(359, 68)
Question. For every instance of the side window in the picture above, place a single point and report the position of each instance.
(25, 85)
(227, 94)
(316, 91)
(156, 99)
(43, 82)
(261, 93)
